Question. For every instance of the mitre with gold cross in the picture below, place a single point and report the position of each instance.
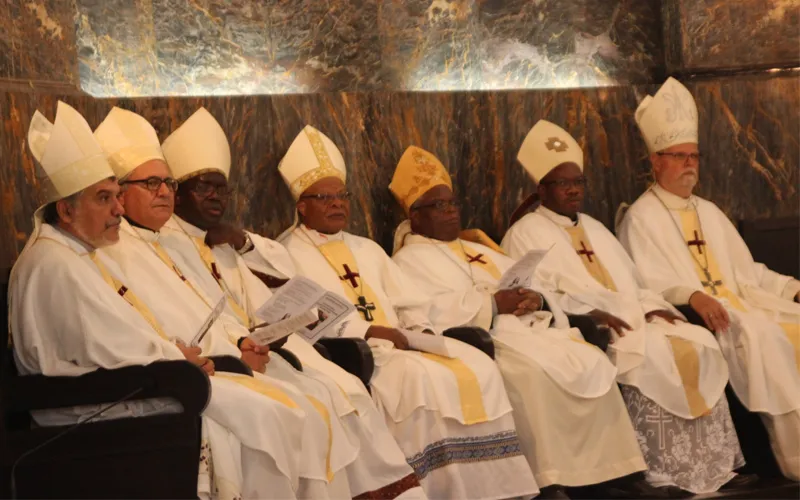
(547, 146)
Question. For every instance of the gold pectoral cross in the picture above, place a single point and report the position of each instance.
(709, 283)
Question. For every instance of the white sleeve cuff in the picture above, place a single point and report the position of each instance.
(679, 295)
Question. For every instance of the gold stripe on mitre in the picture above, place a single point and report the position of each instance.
(416, 173)
(325, 168)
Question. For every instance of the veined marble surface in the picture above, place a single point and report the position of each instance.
(748, 134)
(240, 47)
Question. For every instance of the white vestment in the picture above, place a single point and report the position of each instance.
(379, 467)
(568, 411)
(452, 418)
(676, 368)
(67, 321)
(762, 345)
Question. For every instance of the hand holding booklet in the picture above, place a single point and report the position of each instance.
(300, 306)
(520, 275)
(425, 342)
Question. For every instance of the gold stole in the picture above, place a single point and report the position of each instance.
(128, 295)
(686, 359)
(590, 260)
(207, 256)
(713, 283)
(338, 255)
(480, 260)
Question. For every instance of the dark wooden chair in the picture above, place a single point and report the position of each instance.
(774, 242)
(147, 457)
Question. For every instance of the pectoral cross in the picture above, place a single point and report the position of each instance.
(472, 259)
(710, 283)
(350, 275)
(365, 308)
(698, 243)
(215, 272)
(588, 253)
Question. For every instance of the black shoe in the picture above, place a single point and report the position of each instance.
(634, 489)
(555, 492)
(740, 482)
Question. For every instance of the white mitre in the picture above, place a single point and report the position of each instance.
(311, 157)
(197, 147)
(68, 156)
(547, 146)
(668, 118)
(128, 140)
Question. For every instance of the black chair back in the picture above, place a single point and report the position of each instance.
(774, 242)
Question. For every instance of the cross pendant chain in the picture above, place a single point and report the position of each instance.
(365, 308)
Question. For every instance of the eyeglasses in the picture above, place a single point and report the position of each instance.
(154, 183)
(682, 157)
(204, 189)
(440, 205)
(328, 198)
(566, 183)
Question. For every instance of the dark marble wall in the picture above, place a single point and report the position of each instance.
(708, 35)
(37, 45)
(749, 134)
(220, 47)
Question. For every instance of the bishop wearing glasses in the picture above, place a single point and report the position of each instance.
(686, 248)
(450, 416)
(672, 373)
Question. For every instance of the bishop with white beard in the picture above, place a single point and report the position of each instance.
(673, 374)
(687, 249)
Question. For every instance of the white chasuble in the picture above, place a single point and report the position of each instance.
(68, 319)
(678, 367)
(568, 411)
(451, 417)
(362, 446)
(682, 246)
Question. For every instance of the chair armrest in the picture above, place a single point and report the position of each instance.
(592, 332)
(290, 357)
(230, 364)
(691, 315)
(474, 336)
(180, 380)
(351, 354)
(323, 351)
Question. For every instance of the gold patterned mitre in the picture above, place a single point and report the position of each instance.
(128, 140)
(416, 173)
(197, 147)
(68, 156)
(668, 118)
(547, 146)
(311, 157)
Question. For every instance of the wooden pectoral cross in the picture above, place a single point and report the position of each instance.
(365, 308)
(709, 283)
(587, 252)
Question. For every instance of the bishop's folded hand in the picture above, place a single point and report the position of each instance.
(517, 301)
(393, 335)
(712, 312)
(255, 356)
(613, 322)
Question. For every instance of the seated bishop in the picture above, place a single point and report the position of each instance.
(450, 416)
(171, 259)
(72, 312)
(569, 413)
(686, 248)
(673, 374)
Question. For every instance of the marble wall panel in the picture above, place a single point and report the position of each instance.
(132, 48)
(707, 35)
(749, 136)
(37, 44)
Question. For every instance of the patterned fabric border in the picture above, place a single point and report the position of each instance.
(393, 490)
(465, 450)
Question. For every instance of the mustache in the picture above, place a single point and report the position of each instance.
(116, 222)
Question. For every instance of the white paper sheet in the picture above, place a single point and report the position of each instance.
(520, 275)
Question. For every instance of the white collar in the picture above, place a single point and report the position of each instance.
(56, 233)
(140, 232)
(190, 229)
(671, 200)
(560, 220)
(316, 237)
